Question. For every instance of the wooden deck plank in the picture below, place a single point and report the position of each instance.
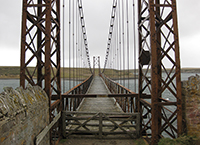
(98, 87)
(99, 104)
(102, 123)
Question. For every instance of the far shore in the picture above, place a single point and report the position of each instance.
(12, 72)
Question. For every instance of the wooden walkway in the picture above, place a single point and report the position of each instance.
(98, 87)
(100, 118)
(101, 103)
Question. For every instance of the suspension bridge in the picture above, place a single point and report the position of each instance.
(100, 106)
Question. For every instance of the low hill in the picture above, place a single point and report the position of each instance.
(14, 72)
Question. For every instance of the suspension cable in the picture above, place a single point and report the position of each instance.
(110, 31)
(123, 43)
(118, 51)
(84, 32)
(63, 46)
(134, 39)
(70, 44)
(77, 36)
(73, 42)
(120, 43)
(117, 44)
(127, 20)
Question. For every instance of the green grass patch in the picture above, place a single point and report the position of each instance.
(79, 73)
(182, 140)
(140, 141)
(63, 140)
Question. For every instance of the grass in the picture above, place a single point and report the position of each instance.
(140, 141)
(182, 140)
(79, 73)
(114, 74)
(63, 140)
(9, 72)
(14, 72)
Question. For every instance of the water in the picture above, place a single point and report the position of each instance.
(14, 83)
(184, 76)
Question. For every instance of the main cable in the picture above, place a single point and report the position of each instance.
(84, 32)
(73, 42)
(120, 43)
(127, 20)
(123, 42)
(134, 39)
(69, 44)
(63, 46)
(110, 32)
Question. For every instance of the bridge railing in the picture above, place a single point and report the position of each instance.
(70, 99)
(124, 96)
(100, 124)
(70, 103)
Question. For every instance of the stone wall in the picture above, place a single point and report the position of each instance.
(23, 115)
(191, 106)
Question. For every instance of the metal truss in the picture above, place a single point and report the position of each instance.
(159, 70)
(40, 49)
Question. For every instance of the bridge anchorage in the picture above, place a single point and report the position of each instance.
(100, 106)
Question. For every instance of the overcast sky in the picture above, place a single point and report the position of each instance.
(188, 21)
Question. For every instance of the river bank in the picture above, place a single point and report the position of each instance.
(13, 72)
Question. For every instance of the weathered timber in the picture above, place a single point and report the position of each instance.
(100, 115)
(40, 136)
(98, 87)
(101, 124)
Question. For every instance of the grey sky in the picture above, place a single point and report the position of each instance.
(97, 19)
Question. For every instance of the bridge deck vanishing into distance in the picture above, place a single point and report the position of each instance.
(102, 115)
(98, 87)
(157, 54)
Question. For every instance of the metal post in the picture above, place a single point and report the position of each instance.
(39, 45)
(158, 47)
(178, 70)
(137, 99)
(100, 124)
(47, 64)
(23, 44)
(99, 65)
(93, 65)
(155, 74)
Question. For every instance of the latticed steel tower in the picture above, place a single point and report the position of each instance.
(40, 48)
(159, 69)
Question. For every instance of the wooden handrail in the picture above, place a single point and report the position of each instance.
(66, 93)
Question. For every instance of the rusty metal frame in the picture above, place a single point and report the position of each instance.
(40, 50)
(158, 35)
